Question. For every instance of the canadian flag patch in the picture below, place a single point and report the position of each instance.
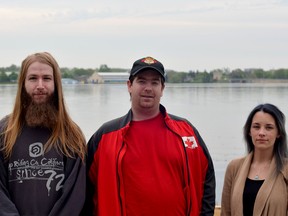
(190, 142)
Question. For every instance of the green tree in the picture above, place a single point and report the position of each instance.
(104, 68)
(203, 77)
(78, 72)
(237, 74)
(13, 68)
(13, 77)
(259, 74)
(3, 77)
(281, 74)
(175, 77)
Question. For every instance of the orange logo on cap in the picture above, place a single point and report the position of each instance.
(149, 60)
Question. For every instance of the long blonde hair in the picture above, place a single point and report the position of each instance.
(66, 135)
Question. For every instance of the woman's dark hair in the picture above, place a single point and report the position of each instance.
(280, 146)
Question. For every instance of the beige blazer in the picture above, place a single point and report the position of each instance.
(271, 199)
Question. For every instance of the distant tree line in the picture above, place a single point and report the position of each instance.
(225, 75)
(10, 74)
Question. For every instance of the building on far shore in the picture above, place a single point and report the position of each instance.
(108, 77)
(69, 81)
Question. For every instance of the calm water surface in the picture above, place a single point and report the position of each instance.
(218, 111)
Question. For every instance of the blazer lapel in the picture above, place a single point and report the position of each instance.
(265, 189)
(237, 199)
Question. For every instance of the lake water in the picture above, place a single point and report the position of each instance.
(218, 111)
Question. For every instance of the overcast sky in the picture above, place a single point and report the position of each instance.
(183, 34)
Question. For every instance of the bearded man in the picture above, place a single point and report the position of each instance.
(42, 150)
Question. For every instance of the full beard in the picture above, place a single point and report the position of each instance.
(40, 114)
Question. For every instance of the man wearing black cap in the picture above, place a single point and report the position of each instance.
(149, 162)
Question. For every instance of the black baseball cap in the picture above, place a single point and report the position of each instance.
(147, 63)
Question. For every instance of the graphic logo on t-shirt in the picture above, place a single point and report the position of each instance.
(190, 142)
(36, 149)
(32, 164)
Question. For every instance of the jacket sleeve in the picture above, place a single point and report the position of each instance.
(72, 200)
(209, 196)
(226, 192)
(92, 146)
(7, 207)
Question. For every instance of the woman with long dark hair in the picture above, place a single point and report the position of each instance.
(257, 183)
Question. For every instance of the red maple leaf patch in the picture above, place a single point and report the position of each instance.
(189, 143)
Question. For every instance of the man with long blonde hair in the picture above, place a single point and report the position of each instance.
(42, 150)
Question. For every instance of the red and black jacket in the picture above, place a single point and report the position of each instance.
(106, 149)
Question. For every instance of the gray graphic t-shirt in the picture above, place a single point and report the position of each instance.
(35, 178)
